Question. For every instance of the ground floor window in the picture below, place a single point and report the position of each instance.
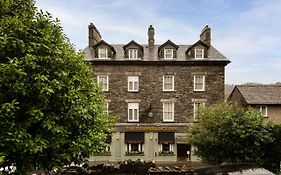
(134, 143)
(134, 149)
(166, 149)
(166, 141)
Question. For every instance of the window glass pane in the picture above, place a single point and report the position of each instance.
(133, 83)
(165, 147)
(134, 147)
(168, 112)
(168, 53)
(131, 86)
(135, 114)
(168, 82)
(262, 110)
(135, 86)
(133, 53)
(133, 110)
(130, 114)
(102, 53)
(103, 80)
(199, 83)
(199, 53)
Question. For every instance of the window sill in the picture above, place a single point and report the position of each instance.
(200, 58)
(199, 90)
(134, 153)
(168, 121)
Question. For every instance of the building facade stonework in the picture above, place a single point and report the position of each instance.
(155, 91)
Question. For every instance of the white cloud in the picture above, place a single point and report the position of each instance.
(251, 41)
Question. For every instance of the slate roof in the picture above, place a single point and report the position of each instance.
(261, 94)
(214, 54)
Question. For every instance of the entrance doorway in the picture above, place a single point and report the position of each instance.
(183, 152)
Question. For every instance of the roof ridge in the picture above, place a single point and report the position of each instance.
(259, 85)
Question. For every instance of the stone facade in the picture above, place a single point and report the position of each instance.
(151, 88)
(163, 128)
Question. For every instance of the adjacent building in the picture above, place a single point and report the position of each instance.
(263, 98)
(155, 90)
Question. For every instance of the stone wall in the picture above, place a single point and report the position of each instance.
(151, 88)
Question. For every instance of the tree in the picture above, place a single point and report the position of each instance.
(272, 152)
(225, 133)
(51, 109)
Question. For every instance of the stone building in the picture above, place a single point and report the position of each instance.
(155, 91)
(263, 98)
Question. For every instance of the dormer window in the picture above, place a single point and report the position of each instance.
(168, 53)
(168, 50)
(102, 53)
(133, 54)
(199, 53)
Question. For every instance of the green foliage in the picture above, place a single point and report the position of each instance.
(225, 133)
(272, 152)
(51, 109)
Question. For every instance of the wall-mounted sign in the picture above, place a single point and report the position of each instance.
(149, 129)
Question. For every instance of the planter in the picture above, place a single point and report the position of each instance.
(134, 153)
(166, 153)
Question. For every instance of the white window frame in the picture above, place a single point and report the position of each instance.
(171, 147)
(133, 107)
(101, 55)
(198, 52)
(133, 54)
(134, 80)
(195, 83)
(171, 55)
(129, 147)
(104, 88)
(165, 77)
(166, 112)
(195, 108)
(260, 109)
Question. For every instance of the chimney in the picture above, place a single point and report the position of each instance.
(150, 37)
(94, 35)
(205, 35)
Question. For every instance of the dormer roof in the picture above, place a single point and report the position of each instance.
(105, 43)
(199, 42)
(169, 42)
(133, 43)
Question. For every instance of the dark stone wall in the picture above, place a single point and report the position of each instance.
(151, 89)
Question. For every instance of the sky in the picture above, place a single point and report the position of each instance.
(247, 32)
